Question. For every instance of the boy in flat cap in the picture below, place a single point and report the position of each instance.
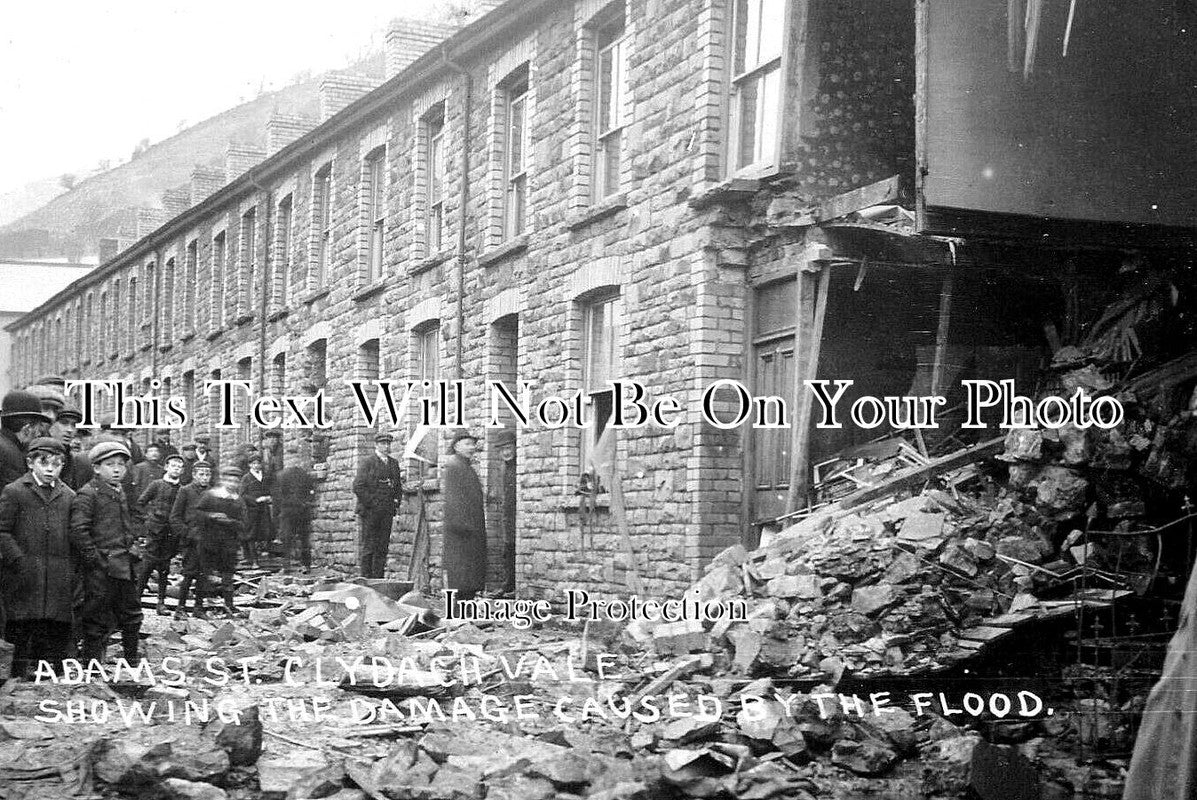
(257, 501)
(185, 528)
(220, 518)
(379, 489)
(104, 531)
(35, 549)
(162, 545)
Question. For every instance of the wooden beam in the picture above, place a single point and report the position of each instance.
(884, 191)
(805, 369)
(941, 332)
(921, 76)
(915, 475)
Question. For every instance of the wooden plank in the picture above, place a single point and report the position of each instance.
(921, 72)
(985, 633)
(619, 511)
(800, 435)
(916, 475)
(875, 194)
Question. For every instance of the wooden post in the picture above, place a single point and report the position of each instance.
(808, 335)
(941, 333)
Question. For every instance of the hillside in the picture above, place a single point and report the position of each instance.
(71, 224)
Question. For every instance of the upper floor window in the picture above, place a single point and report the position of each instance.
(515, 153)
(434, 217)
(322, 217)
(219, 254)
(610, 82)
(375, 174)
(286, 211)
(758, 30)
(190, 278)
(249, 257)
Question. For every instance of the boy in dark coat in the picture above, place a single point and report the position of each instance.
(35, 513)
(162, 545)
(220, 518)
(104, 531)
(256, 497)
(182, 524)
(465, 520)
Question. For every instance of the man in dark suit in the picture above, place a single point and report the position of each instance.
(21, 421)
(256, 496)
(464, 520)
(379, 489)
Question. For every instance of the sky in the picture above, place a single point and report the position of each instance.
(85, 81)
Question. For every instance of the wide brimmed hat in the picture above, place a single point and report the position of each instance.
(19, 403)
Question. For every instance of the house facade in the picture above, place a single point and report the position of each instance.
(674, 193)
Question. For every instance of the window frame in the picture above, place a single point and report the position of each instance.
(374, 172)
(742, 74)
(248, 248)
(433, 124)
(605, 138)
(322, 223)
(284, 220)
(516, 90)
(601, 299)
(220, 259)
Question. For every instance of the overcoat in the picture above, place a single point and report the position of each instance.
(35, 526)
(465, 526)
(12, 458)
(103, 529)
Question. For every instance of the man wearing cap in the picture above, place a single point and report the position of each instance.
(103, 530)
(464, 519)
(183, 525)
(35, 553)
(220, 520)
(379, 490)
(188, 455)
(156, 503)
(21, 421)
(76, 470)
(203, 449)
(162, 439)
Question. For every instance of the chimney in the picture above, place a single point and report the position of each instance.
(239, 158)
(176, 201)
(205, 181)
(339, 89)
(149, 220)
(408, 39)
(108, 249)
(282, 129)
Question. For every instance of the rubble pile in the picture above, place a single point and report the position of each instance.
(900, 586)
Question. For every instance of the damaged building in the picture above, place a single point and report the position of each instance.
(676, 193)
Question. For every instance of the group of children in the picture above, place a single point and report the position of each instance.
(54, 540)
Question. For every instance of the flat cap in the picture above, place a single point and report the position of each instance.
(70, 412)
(106, 449)
(189, 446)
(384, 436)
(230, 471)
(50, 398)
(44, 444)
(173, 457)
(459, 435)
